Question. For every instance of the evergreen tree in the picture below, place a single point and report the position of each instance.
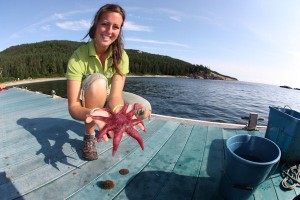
(51, 58)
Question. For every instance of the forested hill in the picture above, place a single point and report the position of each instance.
(50, 58)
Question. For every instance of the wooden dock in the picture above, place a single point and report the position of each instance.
(41, 157)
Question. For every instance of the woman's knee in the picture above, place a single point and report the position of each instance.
(95, 90)
(98, 85)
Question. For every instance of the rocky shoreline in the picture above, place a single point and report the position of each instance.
(288, 87)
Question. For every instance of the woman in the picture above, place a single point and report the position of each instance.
(96, 74)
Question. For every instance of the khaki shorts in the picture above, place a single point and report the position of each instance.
(128, 97)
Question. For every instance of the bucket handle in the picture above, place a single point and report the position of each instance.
(243, 187)
(239, 186)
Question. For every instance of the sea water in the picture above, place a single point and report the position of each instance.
(210, 100)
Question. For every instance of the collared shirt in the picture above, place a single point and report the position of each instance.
(85, 61)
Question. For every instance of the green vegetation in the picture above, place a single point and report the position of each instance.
(50, 58)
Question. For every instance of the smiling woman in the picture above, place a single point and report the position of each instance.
(96, 75)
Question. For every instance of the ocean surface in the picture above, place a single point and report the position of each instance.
(210, 100)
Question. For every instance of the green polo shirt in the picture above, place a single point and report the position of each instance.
(85, 61)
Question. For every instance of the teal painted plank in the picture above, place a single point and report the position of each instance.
(31, 105)
(265, 190)
(54, 130)
(183, 180)
(168, 155)
(227, 133)
(212, 166)
(39, 177)
(17, 123)
(26, 100)
(21, 98)
(281, 194)
(15, 95)
(192, 156)
(27, 128)
(40, 161)
(14, 119)
(88, 171)
(148, 183)
(44, 105)
(254, 133)
(41, 145)
(135, 162)
(51, 149)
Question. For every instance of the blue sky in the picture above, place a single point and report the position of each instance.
(253, 40)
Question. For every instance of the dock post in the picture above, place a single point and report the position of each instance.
(253, 117)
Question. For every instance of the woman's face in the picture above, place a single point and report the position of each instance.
(107, 30)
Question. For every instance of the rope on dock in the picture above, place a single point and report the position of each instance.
(291, 175)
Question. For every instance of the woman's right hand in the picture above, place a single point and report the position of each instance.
(100, 123)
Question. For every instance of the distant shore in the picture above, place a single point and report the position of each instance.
(28, 81)
(37, 80)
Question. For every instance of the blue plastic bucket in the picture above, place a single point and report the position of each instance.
(284, 129)
(249, 161)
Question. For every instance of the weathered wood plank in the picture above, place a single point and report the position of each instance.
(280, 192)
(212, 165)
(151, 180)
(134, 162)
(182, 181)
(265, 189)
(44, 131)
(15, 95)
(16, 128)
(88, 171)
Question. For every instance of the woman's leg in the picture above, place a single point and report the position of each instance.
(95, 97)
(94, 94)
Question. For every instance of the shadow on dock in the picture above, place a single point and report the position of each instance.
(172, 185)
(53, 136)
(7, 188)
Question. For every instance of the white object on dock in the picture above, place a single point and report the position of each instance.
(53, 93)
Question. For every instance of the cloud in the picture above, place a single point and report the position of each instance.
(57, 16)
(176, 18)
(71, 13)
(130, 26)
(79, 25)
(74, 25)
(174, 15)
(156, 42)
(46, 28)
(33, 27)
(169, 11)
